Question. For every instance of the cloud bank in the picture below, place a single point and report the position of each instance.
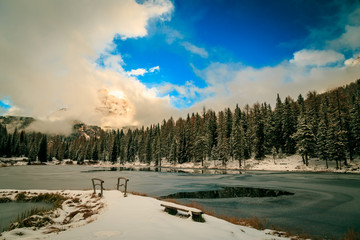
(48, 50)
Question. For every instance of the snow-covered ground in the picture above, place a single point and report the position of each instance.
(136, 217)
(290, 163)
(287, 163)
(79, 208)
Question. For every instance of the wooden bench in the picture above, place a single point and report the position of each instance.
(173, 209)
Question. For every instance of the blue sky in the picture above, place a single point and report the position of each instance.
(243, 33)
(170, 57)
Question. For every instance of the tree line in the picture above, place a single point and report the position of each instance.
(325, 125)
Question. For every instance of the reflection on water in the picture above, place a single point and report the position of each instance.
(166, 170)
(231, 192)
(11, 210)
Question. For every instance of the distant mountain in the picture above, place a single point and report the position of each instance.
(12, 122)
(23, 123)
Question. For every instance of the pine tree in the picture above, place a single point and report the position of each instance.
(305, 139)
(210, 132)
(323, 132)
(199, 149)
(148, 149)
(259, 140)
(337, 147)
(114, 153)
(42, 154)
(248, 143)
(289, 126)
(312, 107)
(355, 121)
(189, 139)
(223, 142)
(278, 128)
(95, 151)
(269, 130)
(173, 152)
(237, 136)
(301, 103)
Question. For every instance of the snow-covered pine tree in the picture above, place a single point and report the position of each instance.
(222, 140)
(289, 126)
(305, 139)
(248, 143)
(259, 140)
(337, 133)
(278, 129)
(237, 136)
(355, 120)
(323, 132)
(210, 132)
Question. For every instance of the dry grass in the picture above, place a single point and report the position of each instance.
(350, 235)
(138, 194)
(53, 230)
(253, 222)
(262, 224)
(5, 200)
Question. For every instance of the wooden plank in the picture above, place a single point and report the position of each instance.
(174, 208)
(182, 208)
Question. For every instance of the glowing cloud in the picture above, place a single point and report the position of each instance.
(48, 50)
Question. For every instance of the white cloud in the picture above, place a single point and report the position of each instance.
(195, 50)
(172, 35)
(153, 69)
(48, 50)
(142, 71)
(350, 39)
(114, 62)
(137, 72)
(307, 57)
(229, 84)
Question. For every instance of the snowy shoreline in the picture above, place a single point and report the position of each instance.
(132, 217)
(291, 163)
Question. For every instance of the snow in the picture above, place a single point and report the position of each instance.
(286, 163)
(136, 217)
(70, 215)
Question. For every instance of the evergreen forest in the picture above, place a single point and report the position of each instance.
(325, 126)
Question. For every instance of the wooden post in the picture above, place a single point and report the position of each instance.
(98, 184)
(118, 185)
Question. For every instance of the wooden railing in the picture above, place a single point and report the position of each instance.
(101, 184)
(118, 185)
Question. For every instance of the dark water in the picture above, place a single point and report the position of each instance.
(9, 211)
(230, 192)
(322, 202)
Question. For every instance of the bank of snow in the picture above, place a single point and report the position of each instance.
(286, 163)
(136, 217)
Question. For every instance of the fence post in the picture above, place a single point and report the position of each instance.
(118, 185)
(98, 184)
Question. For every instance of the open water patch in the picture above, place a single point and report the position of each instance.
(230, 192)
(10, 211)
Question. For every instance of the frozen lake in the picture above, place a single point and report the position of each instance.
(322, 203)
